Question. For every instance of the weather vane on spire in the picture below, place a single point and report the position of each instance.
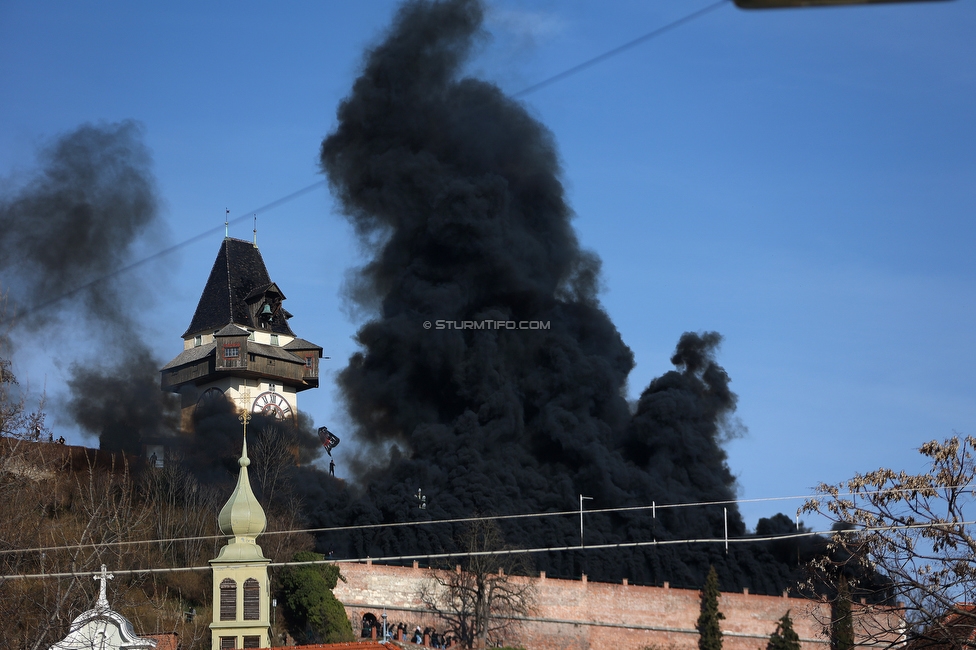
(226, 223)
(255, 231)
(245, 414)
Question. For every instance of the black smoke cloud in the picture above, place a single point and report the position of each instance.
(455, 191)
(76, 221)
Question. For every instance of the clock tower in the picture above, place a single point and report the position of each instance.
(239, 342)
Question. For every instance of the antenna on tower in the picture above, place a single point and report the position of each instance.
(255, 231)
(226, 223)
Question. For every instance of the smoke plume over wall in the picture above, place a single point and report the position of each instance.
(455, 191)
(75, 221)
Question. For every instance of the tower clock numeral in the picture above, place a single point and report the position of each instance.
(270, 403)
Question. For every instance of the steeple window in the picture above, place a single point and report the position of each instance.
(228, 601)
(252, 600)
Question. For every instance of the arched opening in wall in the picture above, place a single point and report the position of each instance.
(369, 624)
(252, 600)
(228, 599)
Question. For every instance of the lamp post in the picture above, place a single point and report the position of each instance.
(582, 498)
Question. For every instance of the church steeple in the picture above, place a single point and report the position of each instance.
(241, 590)
(242, 518)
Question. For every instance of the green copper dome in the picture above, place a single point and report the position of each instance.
(242, 518)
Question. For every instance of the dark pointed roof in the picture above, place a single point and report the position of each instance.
(238, 280)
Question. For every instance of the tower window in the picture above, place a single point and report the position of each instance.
(252, 600)
(228, 601)
(232, 351)
(274, 339)
(198, 340)
(308, 362)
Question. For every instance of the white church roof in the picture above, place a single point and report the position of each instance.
(101, 628)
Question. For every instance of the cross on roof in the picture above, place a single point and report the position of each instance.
(104, 576)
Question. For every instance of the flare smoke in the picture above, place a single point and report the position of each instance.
(455, 191)
(76, 221)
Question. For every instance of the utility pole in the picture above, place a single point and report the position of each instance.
(581, 516)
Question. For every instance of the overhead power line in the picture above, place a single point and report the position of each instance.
(166, 251)
(514, 551)
(556, 78)
(609, 54)
(461, 520)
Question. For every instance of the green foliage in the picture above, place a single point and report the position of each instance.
(710, 635)
(312, 612)
(784, 638)
(842, 623)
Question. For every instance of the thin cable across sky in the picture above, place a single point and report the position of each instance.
(428, 557)
(532, 515)
(556, 78)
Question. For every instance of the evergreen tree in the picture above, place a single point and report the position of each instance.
(842, 623)
(784, 638)
(710, 636)
(312, 612)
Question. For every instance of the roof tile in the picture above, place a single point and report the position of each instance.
(238, 273)
(193, 354)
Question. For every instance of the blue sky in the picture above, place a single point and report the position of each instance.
(802, 181)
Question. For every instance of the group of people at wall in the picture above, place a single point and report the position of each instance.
(427, 637)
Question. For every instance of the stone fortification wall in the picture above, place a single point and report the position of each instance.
(579, 614)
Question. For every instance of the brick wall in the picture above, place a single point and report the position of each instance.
(579, 614)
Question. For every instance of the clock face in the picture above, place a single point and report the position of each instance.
(274, 404)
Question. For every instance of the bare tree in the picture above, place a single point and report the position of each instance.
(917, 531)
(272, 461)
(70, 510)
(17, 419)
(481, 600)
